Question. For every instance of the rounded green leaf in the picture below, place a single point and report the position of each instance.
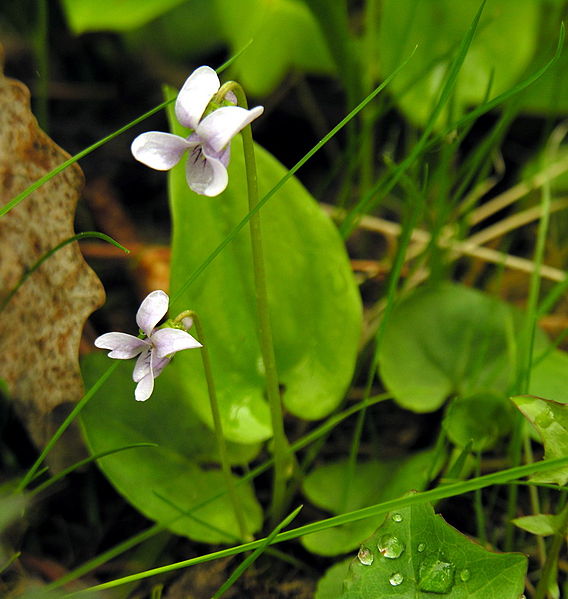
(441, 341)
(450, 340)
(315, 306)
(176, 475)
(504, 44)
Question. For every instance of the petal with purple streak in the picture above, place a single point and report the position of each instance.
(158, 150)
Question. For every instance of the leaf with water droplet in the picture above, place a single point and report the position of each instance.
(550, 419)
(390, 546)
(450, 565)
(436, 573)
(465, 575)
(332, 488)
(365, 556)
(396, 579)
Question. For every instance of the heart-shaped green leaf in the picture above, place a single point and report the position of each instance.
(314, 303)
(415, 554)
(452, 340)
(176, 473)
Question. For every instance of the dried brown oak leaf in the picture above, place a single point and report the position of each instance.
(40, 327)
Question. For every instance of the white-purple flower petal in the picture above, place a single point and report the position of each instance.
(148, 369)
(158, 364)
(158, 150)
(152, 310)
(168, 341)
(142, 366)
(144, 387)
(155, 351)
(123, 345)
(196, 93)
(218, 128)
(206, 172)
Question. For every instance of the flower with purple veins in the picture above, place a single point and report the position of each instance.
(209, 142)
(155, 351)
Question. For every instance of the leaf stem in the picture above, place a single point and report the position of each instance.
(215, 412)
(282, 455)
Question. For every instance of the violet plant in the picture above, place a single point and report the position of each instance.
(155, 349)
(443, 349)
(209, 143)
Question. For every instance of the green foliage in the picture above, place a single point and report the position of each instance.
(184, 33)
(541, 524)
(452, 340)
(332, 488)
(550, 419)
(331, 583)
(314, 302)
(550, 96)
(464, 425)
(94, 15)
(285, 36)
(416, 555)
(177, 472)
(502, 49)
(548, 377)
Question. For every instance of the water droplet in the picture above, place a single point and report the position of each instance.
(397, 517)
(545, 418)
(465, 575)
(421, 547)
(436, 574)
(390, 546)
(365, 556)
(396, 579)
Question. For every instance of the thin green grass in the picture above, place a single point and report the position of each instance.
(443, 492)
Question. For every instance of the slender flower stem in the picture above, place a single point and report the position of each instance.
(222, 445)
(282, 455)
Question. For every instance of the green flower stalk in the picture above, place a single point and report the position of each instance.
(282, 455)
(215, 114)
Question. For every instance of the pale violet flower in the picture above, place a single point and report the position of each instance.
(209, 142)
(155, 351)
